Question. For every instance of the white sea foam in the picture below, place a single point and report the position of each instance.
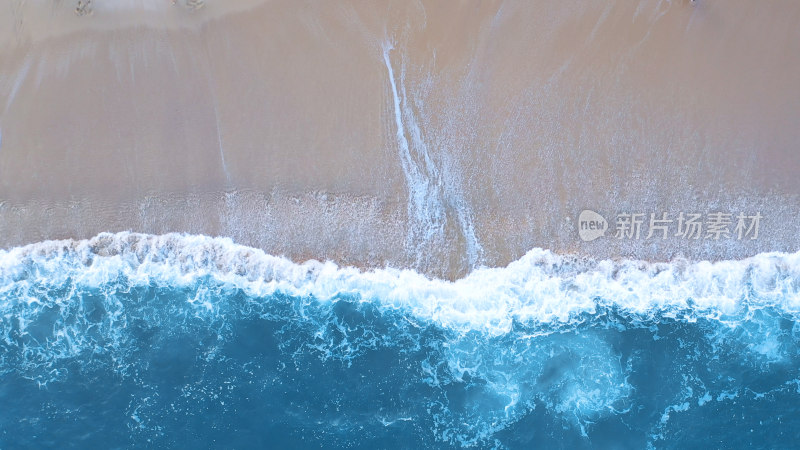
(424, 205)
(428, 193)
(540, 287)
(21, 75)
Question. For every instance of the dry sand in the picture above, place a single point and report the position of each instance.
(275, 123)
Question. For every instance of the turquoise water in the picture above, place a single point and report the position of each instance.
(191, 342)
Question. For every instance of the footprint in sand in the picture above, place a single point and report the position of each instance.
(84, 8)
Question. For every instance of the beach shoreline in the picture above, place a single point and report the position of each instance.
(433, 137)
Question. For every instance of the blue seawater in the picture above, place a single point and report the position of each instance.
(176, 341)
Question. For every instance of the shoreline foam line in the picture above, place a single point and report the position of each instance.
(539, 288)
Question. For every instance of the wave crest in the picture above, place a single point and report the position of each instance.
(539, 288)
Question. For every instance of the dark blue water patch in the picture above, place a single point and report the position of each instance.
(204, 366)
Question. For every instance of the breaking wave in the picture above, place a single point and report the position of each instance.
(186, 340)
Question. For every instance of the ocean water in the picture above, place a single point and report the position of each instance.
(181, 341)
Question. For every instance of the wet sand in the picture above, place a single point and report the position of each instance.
(436, 136)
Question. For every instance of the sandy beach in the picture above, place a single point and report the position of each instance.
(428, 135)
